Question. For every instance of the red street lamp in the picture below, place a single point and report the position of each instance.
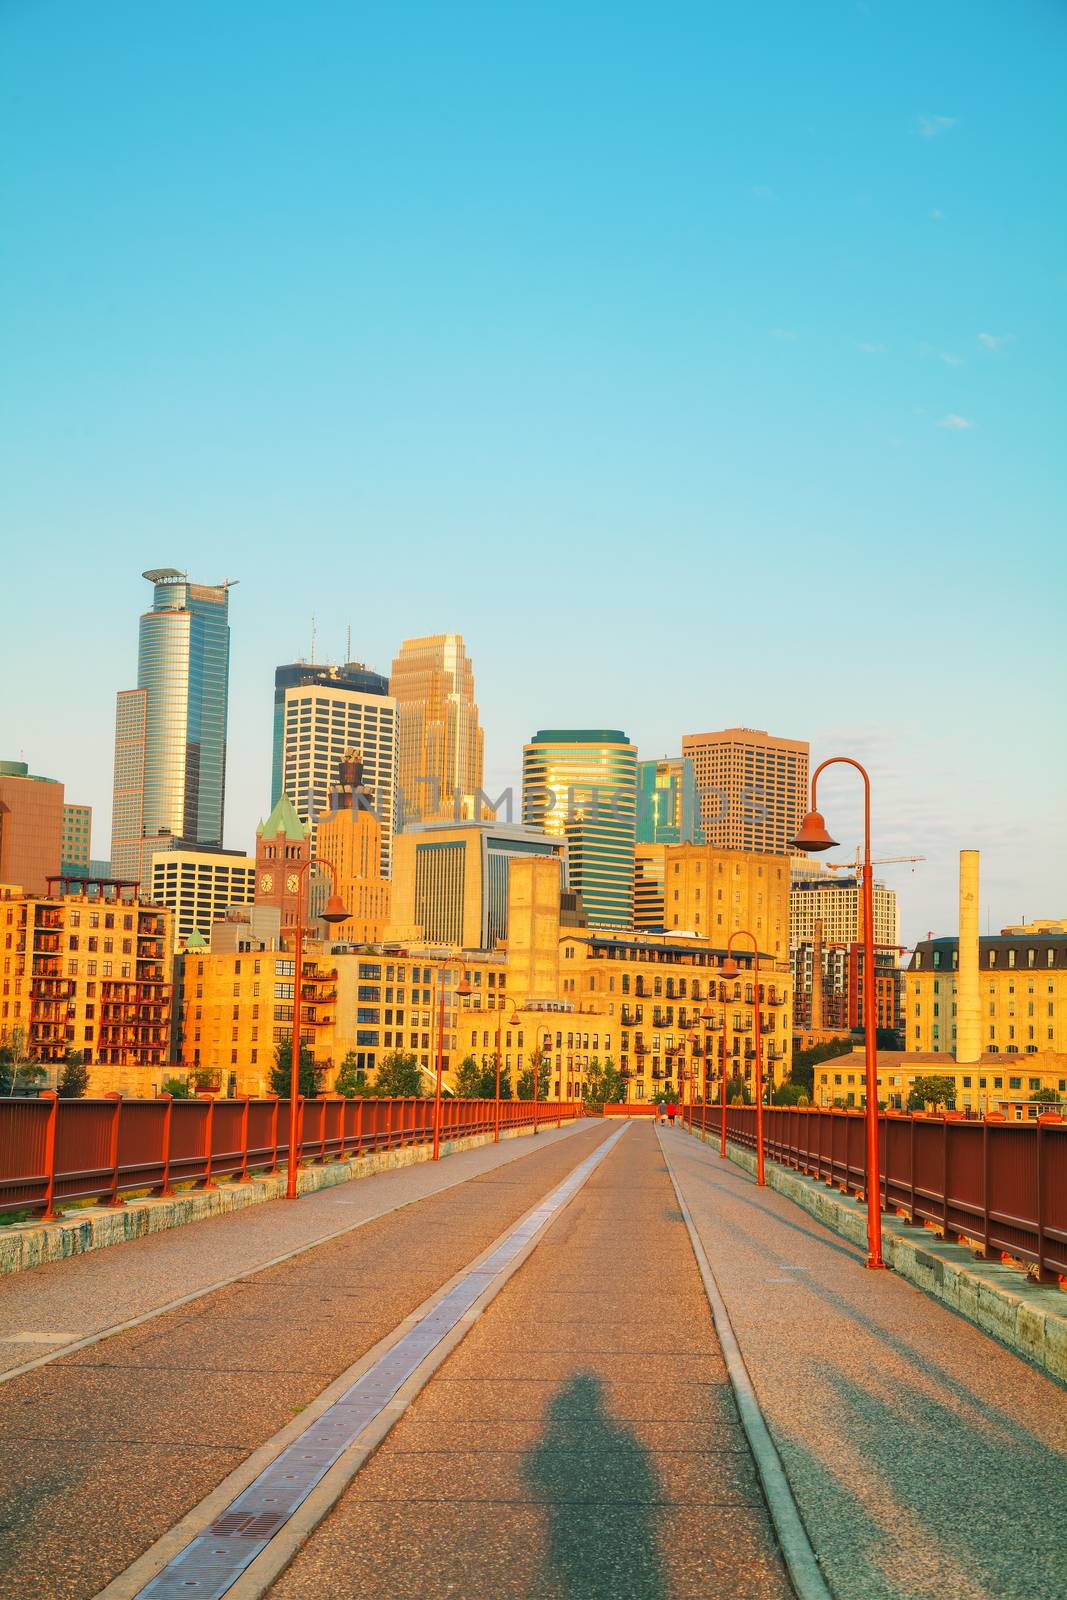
(333, 912)
(513, 1022)
(462, 988)
(730, 969)
(813, 835)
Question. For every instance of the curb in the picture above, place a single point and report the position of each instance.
(33, 1244)
(1029, 1318)
(797, 1550)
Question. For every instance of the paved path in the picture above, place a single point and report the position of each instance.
(40, 1310)
(582, 1443)
(103, 1451)
(927, 1460)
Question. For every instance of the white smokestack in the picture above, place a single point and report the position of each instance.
(968, 1004)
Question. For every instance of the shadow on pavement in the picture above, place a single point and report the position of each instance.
(597, 1484)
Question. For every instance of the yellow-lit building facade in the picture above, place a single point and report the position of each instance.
(86, 968)
(350, 840)
(577, 995)
(1000, 1083)
(711, 893)
(1022, 982)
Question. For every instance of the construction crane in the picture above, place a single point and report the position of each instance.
(857, 865)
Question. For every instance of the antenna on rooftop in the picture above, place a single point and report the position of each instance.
(348, 644)
(312, 636)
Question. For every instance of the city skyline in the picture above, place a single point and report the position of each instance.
(685, 416)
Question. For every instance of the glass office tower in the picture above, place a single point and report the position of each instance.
(581, 784)
(170, 732)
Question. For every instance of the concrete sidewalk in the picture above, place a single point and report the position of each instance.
(103, 1451)
(582, 1443)
(927, 1460)
(46, 1307)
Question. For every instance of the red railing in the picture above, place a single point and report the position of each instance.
(1002, 1185)
(55, 1151)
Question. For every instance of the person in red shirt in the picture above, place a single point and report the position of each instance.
(672, 1112)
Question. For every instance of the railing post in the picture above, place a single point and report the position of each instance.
(359, 1126)
(274, 1135)
(168, 1112)
(243, 1174)
(50, 1154)
(944, 1179)
(1044, 1274)
(206, 1094)
(113, 1162)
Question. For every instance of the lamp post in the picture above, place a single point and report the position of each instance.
(814, 836)
(730, 969)
(334, 912)
(513, 1022)
(463, 987)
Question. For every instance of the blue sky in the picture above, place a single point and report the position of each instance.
(700, 364)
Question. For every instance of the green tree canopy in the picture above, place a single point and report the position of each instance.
(351, 1078)
(604, 1084)
(177, 1088)
(1045, 1097)
(937, 1089)
(537, 1059)
(398, 1077)
(281, 1074)
(75, 1078)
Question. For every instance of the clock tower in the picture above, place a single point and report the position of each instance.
(283, 845)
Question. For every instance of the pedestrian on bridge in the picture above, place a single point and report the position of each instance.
(661, 1110)
(672, 1112)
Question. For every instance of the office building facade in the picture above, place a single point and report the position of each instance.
(31, 828)
(753, 787)
(668, 806)
(199, 885)
(580, 784)
(319, 714)
(170, 732)
(441, 752)
(450, 883)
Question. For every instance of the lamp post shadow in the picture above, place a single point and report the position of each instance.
(602, 1499)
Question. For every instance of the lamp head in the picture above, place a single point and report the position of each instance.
(812, 834)
(513, 1020)
(707, 1014)
(334, 911)
(463, 986)
(729, 968)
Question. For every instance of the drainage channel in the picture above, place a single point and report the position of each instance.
(214, 1560)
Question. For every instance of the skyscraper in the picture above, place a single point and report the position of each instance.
(581, 784)
(668, 807)
(441, 756)
(320, 713)
(753, 787)
(170, 732)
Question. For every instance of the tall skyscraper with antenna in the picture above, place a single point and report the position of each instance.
(170, 732)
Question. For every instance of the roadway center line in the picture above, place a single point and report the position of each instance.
(273, 1515)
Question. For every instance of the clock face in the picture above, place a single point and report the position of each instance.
(292, 882)
(266, 882)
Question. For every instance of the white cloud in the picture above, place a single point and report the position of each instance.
(937, 214)
(930, 127)
(871, 349)
(955, 422)
(782, 333)
(951, 360)
(995, 341)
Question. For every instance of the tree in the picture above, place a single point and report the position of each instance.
(888, 1039)
(18, 1074)
(737, 1091)
(538, 1060)
(75, 1079)
(177, 1088)
(603, 1085)
(1045, 1097)
(790, 1094)
(398, 1077)
(351, 1078)
(470, 1081)
(281, 1074)
(937, 1089)
(805, 1061)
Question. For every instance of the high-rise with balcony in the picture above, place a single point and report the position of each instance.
(581, 784)
(321, 714)
(752, 785)
(170, 732)
(441, 755)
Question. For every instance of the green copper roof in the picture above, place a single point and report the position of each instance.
(580, 736)
(196, 941)
(283, 819)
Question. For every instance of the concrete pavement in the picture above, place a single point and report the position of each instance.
(45, 1308)
(927, 1460)
(582, 1442)
(103, 1451)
